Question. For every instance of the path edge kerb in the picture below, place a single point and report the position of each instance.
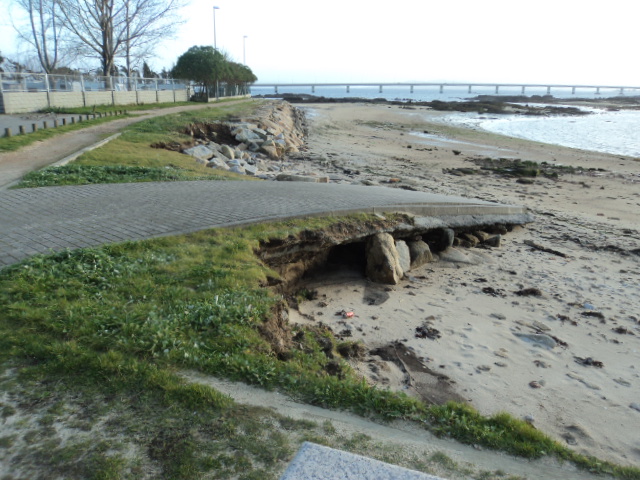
(73, 156)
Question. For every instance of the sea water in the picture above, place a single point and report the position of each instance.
(600, 130)
(432, 92)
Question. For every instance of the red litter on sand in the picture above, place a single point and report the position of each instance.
(348, 314)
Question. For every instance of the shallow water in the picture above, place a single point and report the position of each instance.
(601, 131)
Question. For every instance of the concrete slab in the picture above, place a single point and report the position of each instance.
(40, 220)
(316, 462)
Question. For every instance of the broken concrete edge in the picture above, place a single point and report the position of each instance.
(423, 223)
(318, 462)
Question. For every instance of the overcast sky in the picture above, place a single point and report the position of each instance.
(545, 41)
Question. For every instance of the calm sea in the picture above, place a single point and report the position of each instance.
(602, 131)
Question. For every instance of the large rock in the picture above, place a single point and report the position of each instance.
(383, 263)
(446, 239)
(220, 156)
(420, 253)
(218, 164)
(404, 257)
(199, 152)
(271, 151)
(245, 136)
(227, 151)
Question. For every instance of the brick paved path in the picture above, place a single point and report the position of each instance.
(38, 220)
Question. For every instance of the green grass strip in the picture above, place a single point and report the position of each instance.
(86, 174)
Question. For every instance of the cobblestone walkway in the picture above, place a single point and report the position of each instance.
(40, 220)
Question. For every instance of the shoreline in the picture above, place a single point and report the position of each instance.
(586, 303)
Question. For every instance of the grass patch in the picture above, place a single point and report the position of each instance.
(10, 144)
(112, 108)
(85, 174)
(117, 322)
(129, 108)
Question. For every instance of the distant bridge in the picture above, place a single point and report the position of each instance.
(442, 85)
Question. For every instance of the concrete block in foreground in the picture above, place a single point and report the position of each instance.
(315, 462)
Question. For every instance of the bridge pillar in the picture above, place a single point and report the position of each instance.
(441, 88)
(411, 89)
(380, 91)
(548, 90)
(597, 90)
(497, 89)
(573, 90)
(470, 86)
(523, 87)
(348, 88)
(275, 88)
(313, 89)
(622, 91)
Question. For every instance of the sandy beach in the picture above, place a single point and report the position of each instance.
(549, 335)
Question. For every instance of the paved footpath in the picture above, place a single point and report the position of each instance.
(40, 220)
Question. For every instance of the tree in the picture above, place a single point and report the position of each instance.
(1, 62)
(45, 31)
(108, 28)
(202, 65)
(147, 72)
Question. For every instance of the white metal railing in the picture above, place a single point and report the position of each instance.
(42, 82)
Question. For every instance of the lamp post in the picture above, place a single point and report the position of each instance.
(244, 50)
(215, 45)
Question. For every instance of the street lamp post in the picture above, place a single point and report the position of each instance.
(244, 50)
(215, 44)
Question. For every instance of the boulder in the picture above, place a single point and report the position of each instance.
(220, 157)
(250, 170)
(261, 133)
(404, 256)
(237, 169)
(495, 241)
(236, 163)
(217, 163)
(271, 151)
(237, 127)
(199, 152)
(214, 146)
(446, 240)
(420, 253)
(245, 136)
(383, 264)
(470, 239)
(253, 146)
(227, 151)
